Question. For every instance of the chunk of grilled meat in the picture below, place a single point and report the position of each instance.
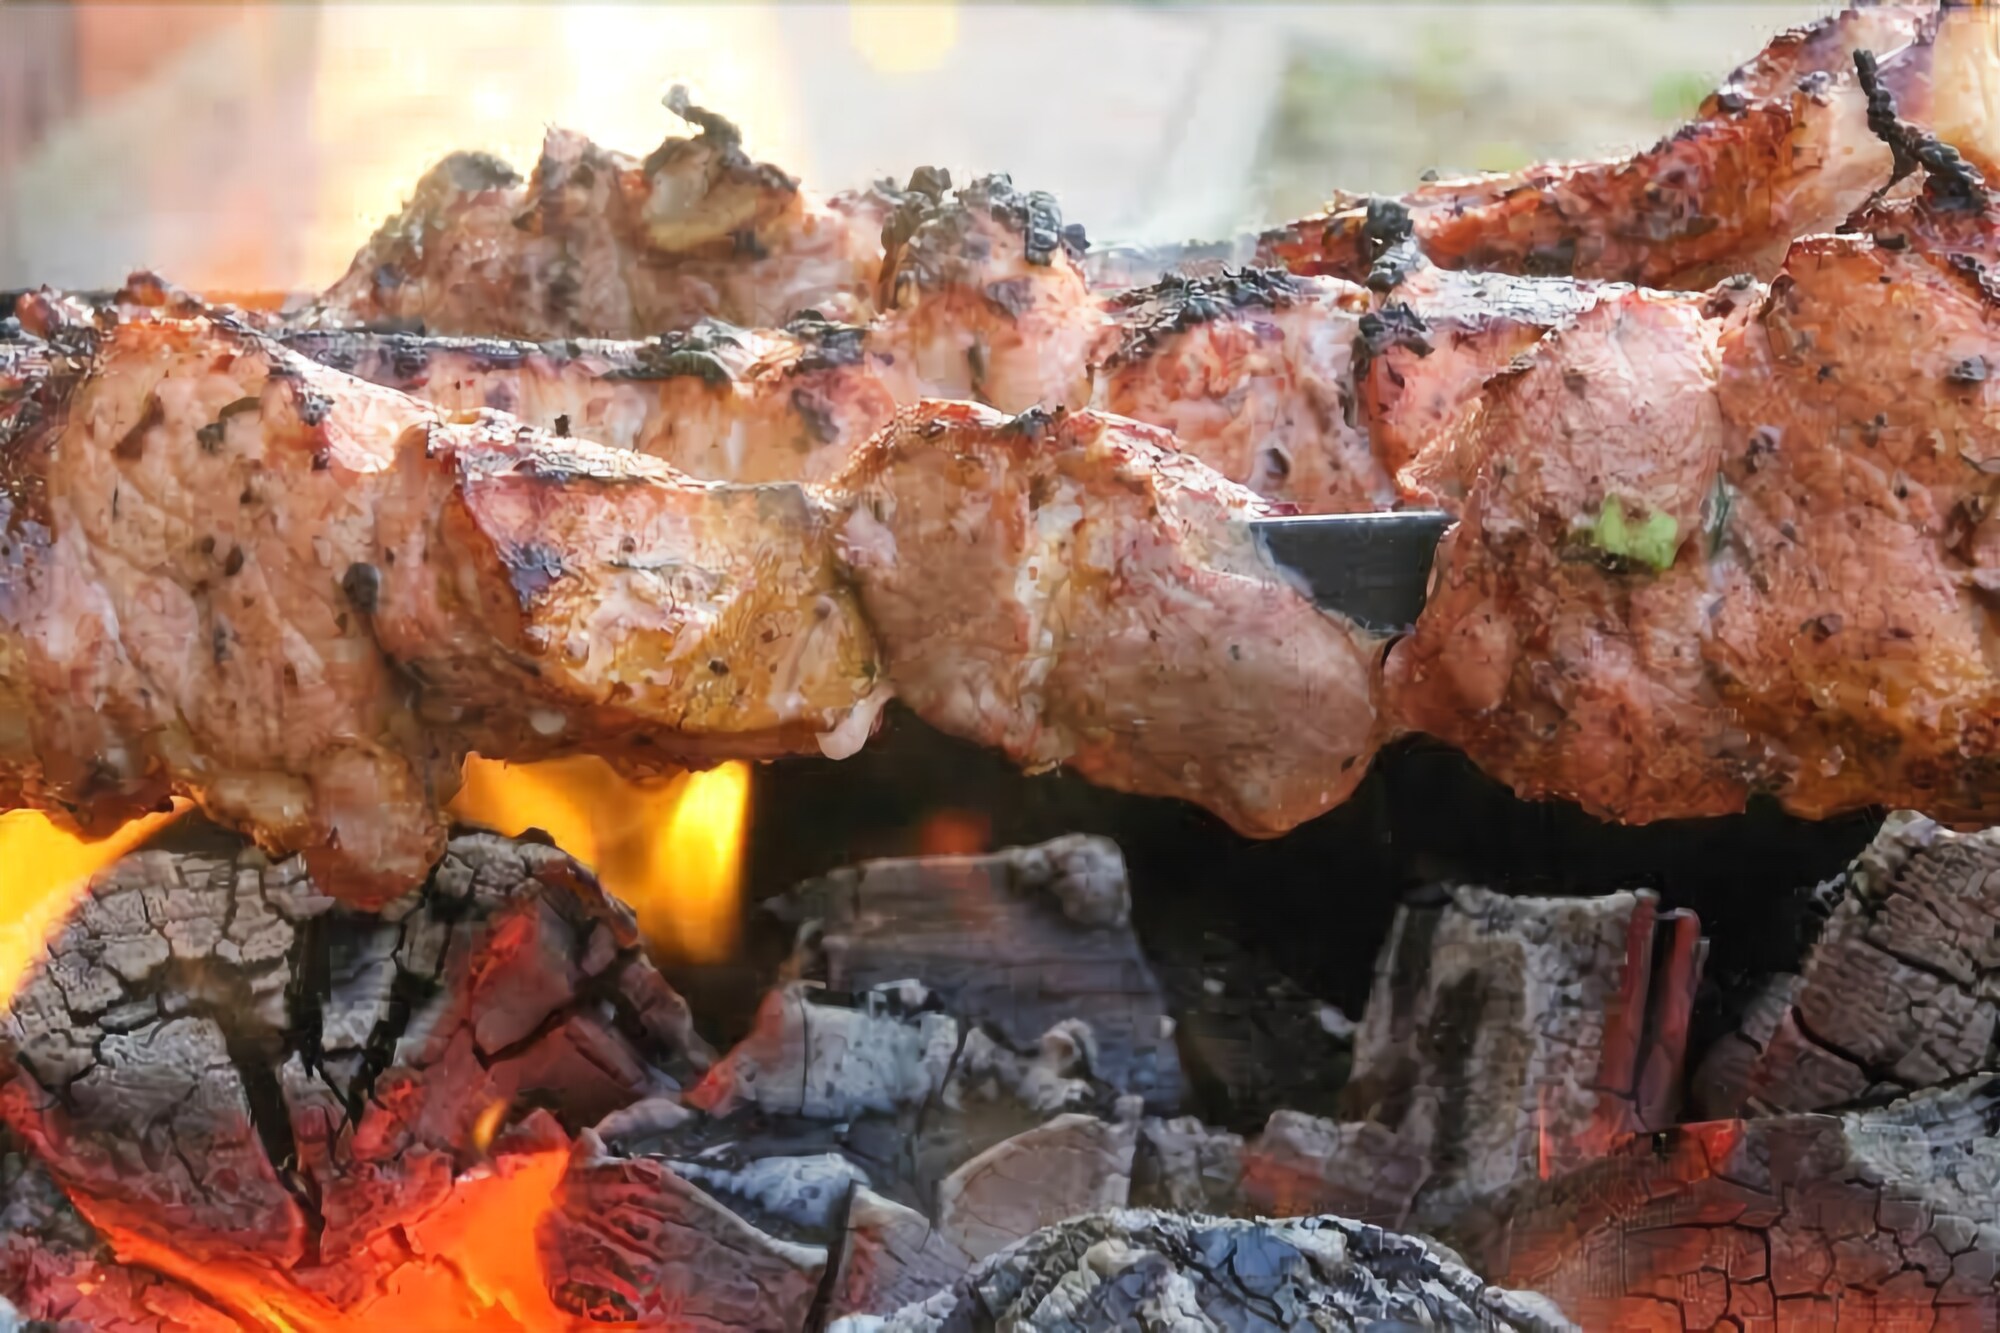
(232, 574)
(1069, 588)
(598, 244)
(1783, 149)
(1753, 545)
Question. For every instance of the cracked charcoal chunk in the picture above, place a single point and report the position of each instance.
(1020, 941)
(1072, 1164)
(1134, 1268)
(218, 1059)
(1883, 1218)
(57, 1275)
(1302, 1165)
(891, 1256)
(1509, 1037)
(1184, 1166)
(633, 1242)
(1896, 993)
(810, 1056)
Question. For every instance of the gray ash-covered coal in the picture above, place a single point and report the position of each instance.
(1897, 990)
(1135, 1268)
(1019, 942)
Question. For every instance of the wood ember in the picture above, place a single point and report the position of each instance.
(58, 1272)
(891, 1256)
(1883, 1218)
(897, 1089)
(633, 1242)
(1073, 1164)
(1135, 1268)
(220, 1063)
(1898, 992)
(1017, 941)
(1509, 1037)
(1303, 1164)
(809, 1055)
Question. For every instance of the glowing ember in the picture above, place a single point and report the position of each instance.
(46, 868)
(472, 1266)
(672, 850)
(954, 833)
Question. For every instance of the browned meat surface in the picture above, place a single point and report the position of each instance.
(1781, 150)
(1857, 616)
(1068, 588)
(1253, 371)
(985, 298)
(1429, 350)
(1561, 660)
(719, 403)
(1744, 546)
(232, 574)
(599, 244)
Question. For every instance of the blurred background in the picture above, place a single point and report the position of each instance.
(254, 147)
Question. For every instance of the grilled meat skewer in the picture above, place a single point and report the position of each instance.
(1709, 545)
(1253, 371)
(598, 244)
(237, 575)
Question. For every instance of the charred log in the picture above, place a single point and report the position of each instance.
(1883, 1218)
(227, 1071)
(1896, 993)
(1513, 1037)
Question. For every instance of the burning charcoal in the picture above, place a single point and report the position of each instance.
(635, 1243)
(1133, 1268)
(1073, 1164)
(891, 1256)
(226, 1069)
(1882, 1218)
(1302, 1164)
(1185, 1166)
(55, 1269)
(1895, 994)
(1020, 941)
(1513, 1037)
(811, 1056)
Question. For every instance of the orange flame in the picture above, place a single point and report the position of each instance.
(672, 850)
(46, 869)
(487, 1125)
